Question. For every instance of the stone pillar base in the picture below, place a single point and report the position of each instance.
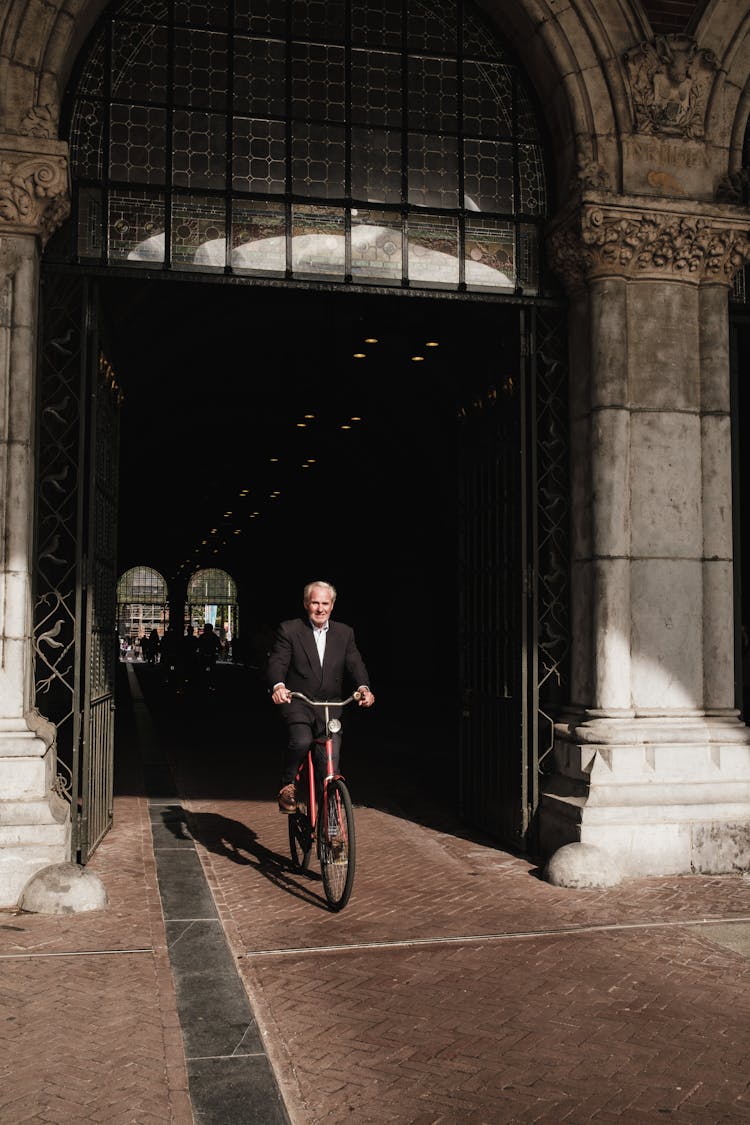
(35, 825)
(661, 795)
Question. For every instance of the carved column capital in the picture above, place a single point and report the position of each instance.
(34, 187)
(607, 236)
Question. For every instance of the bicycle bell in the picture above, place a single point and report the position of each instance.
(334, 726)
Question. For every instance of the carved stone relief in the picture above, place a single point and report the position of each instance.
(34, 195)
(590, 176)
(670, 80)
(600, 239)
(40, 121)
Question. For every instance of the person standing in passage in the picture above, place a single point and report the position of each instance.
(315, 656)
(208, 650)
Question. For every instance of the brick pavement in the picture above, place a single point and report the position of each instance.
(455, 987)
(88, 1022)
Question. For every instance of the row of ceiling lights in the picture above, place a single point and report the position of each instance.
(415, 358)
(309, 462)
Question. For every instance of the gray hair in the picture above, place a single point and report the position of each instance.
(312, 585)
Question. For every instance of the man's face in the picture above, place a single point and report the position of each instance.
(319, 605)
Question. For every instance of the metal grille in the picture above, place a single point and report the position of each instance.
(57, 615)
(514, 579)
(100, 636)
(74, 641)
(552, 508)
(492, 611)
(391, 143)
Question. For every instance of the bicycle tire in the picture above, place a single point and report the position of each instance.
(337, 860)
(300, 840)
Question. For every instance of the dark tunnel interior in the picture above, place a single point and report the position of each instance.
(285, 434)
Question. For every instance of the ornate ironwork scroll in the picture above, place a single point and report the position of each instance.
(553, 521)
(57, 557)
(74, 578)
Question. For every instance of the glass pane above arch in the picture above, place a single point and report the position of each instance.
(141, 584)
(211, 585)
(300, 139)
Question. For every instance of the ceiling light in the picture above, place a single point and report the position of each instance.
(237, 531)
(227, 514)
(302, 425)
(355, 418)
(273, 459)
(346, 427)
(311, 460)
(417, 358)
(431, 344)
(309, 416)
(371, 340)
(359, 355)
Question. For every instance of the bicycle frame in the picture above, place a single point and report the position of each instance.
(328, 743)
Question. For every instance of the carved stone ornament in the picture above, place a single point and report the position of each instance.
(40, 121)
(34, 195)
(734, 188)
(670, 80)
(590, 176)
(600, 240)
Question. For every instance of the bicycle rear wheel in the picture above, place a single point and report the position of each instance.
(336, 847)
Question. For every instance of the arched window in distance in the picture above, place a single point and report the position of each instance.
(142, 605)
(212, 599)
(384, 142)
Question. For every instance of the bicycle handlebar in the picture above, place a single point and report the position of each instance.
(326, 702)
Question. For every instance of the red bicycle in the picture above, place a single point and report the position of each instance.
(330, 820)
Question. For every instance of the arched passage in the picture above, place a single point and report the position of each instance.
(212, 599)
(281, 433)
(142, 605)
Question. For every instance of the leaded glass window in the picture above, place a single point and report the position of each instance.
(212, 599)
(386, 143)
(141, 605)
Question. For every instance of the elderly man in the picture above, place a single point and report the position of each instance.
(315, 656)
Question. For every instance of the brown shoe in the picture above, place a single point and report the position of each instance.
(287, 799)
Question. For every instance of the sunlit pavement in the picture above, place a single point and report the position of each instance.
(456, 986)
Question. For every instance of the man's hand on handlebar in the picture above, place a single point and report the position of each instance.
(366, 698)
(281, 694)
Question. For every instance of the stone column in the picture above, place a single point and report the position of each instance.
(652, 764)
(34, 822)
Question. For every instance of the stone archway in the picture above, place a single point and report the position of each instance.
(638, 228)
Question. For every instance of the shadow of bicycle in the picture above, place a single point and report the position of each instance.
(234, 841)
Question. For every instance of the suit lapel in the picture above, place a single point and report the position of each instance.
(308, 644)
(332, 640)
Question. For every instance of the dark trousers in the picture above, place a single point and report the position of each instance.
(300, 735)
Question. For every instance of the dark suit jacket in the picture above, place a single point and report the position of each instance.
(294, 661)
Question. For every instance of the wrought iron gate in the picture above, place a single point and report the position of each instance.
(514, 568)
(75, 558)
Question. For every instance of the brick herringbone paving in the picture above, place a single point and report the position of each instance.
(88, 1021)
(457, 986)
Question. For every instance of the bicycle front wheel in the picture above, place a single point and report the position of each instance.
(336, 844)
